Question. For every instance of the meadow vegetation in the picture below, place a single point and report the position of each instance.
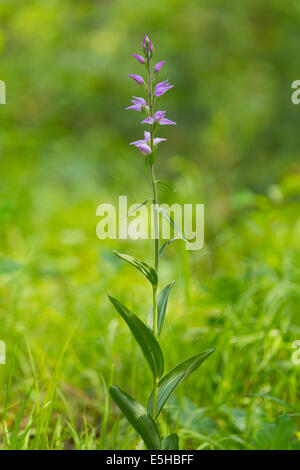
(64, 150)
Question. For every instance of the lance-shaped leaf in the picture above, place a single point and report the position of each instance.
(170, 381)
(170, 442)
(162, 302)
(137, 207)
(166, 185)
(138, 417)
(166, 244)
(143, 267)
(167, 217)
(144, 337)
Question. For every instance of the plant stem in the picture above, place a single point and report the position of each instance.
(156, 229)
(155, 396)
(156, 247)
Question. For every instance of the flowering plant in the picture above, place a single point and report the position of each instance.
(144, 420)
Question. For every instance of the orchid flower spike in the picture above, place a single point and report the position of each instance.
(146, 106)
(158, 117)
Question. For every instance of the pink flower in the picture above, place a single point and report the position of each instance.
(162, 87)
(137, 78)
(159, 117)
(138, 104)
(143, 145)
(158, 66)
(139, 58)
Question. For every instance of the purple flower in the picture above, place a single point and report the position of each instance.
(138, 104)
(139, 58)
(144, 148)
(159, 117)
(137, 78)
(147, 44)
(162, 87)
(143, 145)
(158, 66)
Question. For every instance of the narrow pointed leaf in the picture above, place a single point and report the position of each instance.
(172, 379)
(144, 337)
(166, 185)
(170, 442)
(169, 219)
(162, 301)
(137, 207)
(143, 267)
(138, 417)
(166, 244)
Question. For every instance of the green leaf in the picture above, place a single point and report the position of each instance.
(166, 244)
(277, 435)
(166, 185)
(162, 301)
(169, 219)
(137, 207)
(170, 442)
(143, 267)
(144, 337)
(138, 417)
(172, 379)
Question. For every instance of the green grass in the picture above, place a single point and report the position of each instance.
(64, 150)
(66, 344)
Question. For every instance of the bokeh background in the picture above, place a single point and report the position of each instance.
(64, 150)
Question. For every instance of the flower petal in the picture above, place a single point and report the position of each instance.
(137, 142)
(147, 136)
(159, 115)
(144, 148)
(158, 140)
(148, 120)
(165, 121)
(137, 99)
(135, 107)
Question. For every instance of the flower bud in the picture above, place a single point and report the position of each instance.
(147, 44)
(139, 58)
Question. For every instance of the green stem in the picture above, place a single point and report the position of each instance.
(156, 228)
(155, 396)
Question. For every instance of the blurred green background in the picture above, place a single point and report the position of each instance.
(64, 150)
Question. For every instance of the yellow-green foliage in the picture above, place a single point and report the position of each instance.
(64, 150)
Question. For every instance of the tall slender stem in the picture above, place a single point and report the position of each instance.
(156, 247)
(156, 229)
